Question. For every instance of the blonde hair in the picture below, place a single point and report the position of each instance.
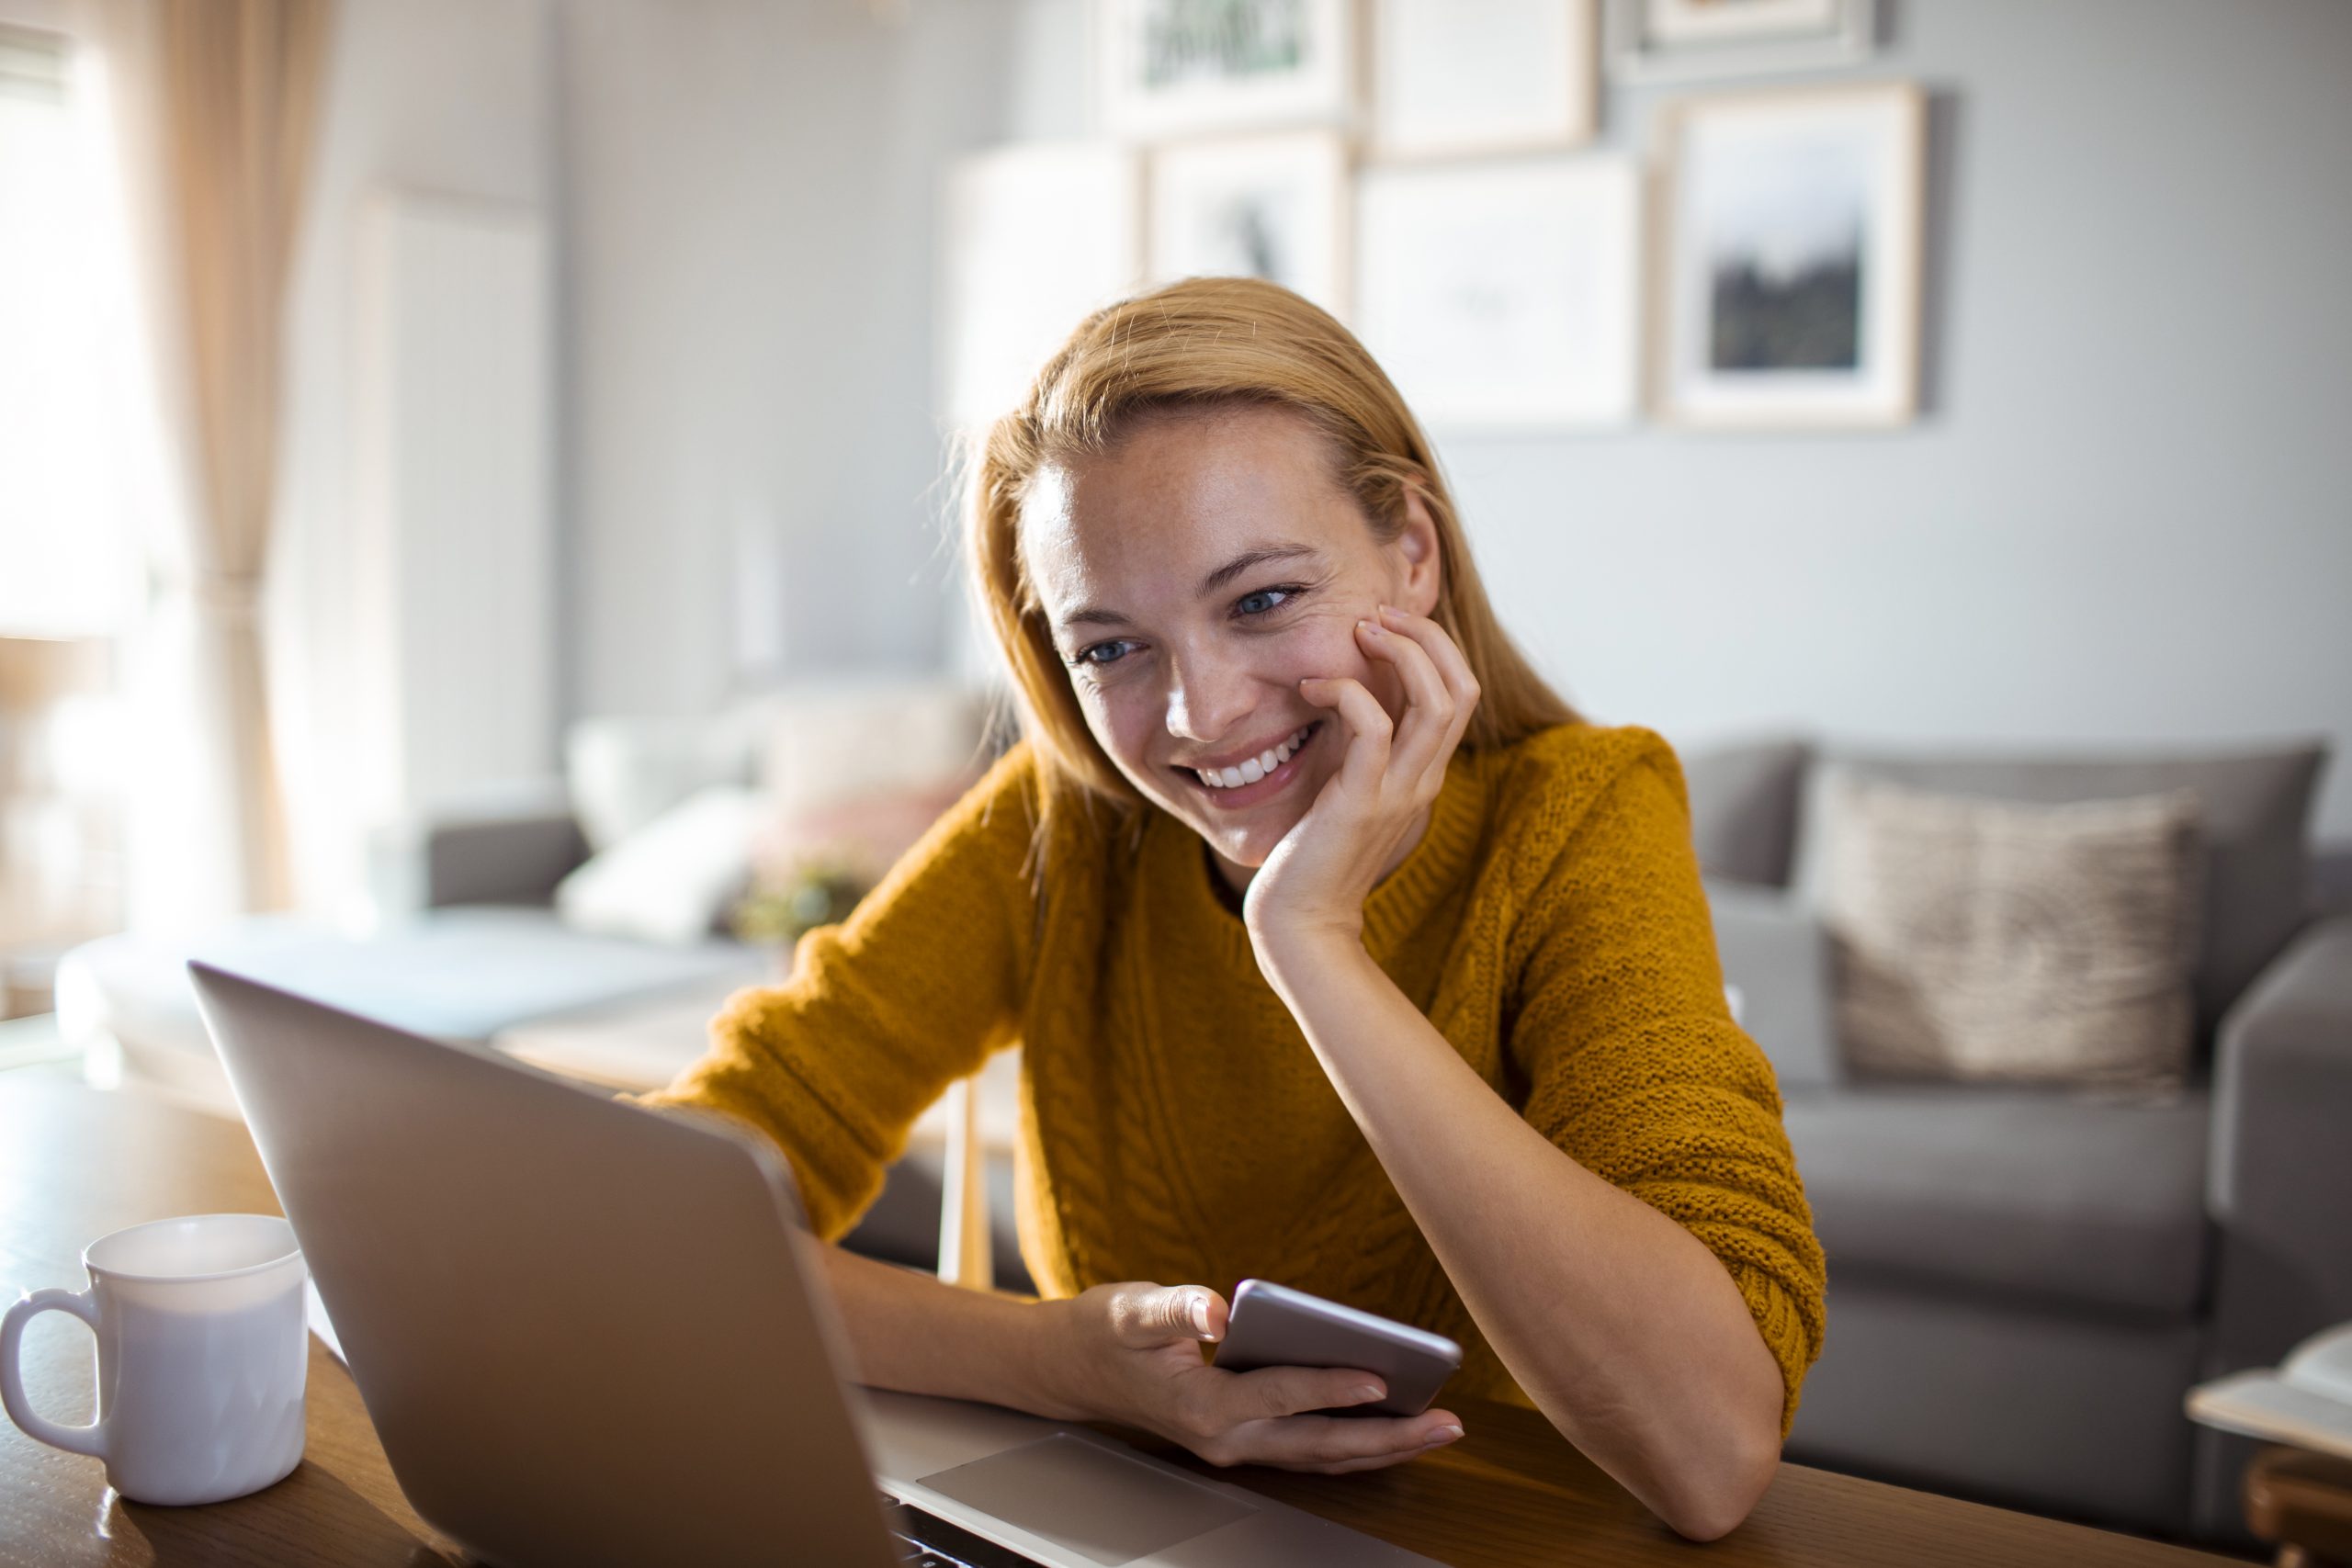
(1201, 345)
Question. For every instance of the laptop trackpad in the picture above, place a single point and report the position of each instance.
(1102, 1505)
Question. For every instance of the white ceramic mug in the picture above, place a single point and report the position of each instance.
(202, 1357)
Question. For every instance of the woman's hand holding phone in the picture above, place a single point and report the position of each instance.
(1132, 1355)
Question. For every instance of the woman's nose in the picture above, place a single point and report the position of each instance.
(1207, 698)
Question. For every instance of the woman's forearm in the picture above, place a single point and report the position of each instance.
(909, 1332)
(1627, 1333)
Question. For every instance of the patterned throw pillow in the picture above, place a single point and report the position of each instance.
(1987, 940)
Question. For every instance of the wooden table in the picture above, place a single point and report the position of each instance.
(76, 1162)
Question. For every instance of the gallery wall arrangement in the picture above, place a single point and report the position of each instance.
(1426, 171)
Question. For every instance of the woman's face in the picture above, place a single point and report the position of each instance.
(1192, 577)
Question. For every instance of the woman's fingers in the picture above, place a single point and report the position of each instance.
(1452, 666)
(1370, 731)
(1302, 1441)
(1425, 735)
(1377, 1461)
(1440, 695)
(1273, 1393)
(1447, 658)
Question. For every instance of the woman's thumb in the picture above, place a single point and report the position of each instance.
(1162, 1313)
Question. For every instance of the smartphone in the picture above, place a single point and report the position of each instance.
(1273, 1326)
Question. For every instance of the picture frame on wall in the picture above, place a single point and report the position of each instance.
(1791, 254)
(1172, 68)
(1453, 78)
(1033, 237)
(1274, 207)
(1505, 296)
(1689, 40)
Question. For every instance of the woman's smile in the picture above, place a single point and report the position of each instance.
(1249, 782)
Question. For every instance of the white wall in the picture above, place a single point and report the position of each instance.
(748, 200)
(442, 96)
(2126, 518)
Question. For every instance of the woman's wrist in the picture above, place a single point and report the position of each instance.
(909, 1331)
(1294, 955)
(1053, 1372)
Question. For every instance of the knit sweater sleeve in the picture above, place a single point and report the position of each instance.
(884, 1010)
(1632, 1063)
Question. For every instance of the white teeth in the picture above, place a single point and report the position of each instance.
(1255, 768)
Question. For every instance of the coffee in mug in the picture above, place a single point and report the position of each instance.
(202, 1357)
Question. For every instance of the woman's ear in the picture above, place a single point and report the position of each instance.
(1417, 557)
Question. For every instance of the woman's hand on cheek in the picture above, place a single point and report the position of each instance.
(1314, 883)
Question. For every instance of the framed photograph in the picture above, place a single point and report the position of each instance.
(1505, 296)
(1271, 207)
(1456, 77)
(1792, 247)
(1032, 238)
(1686, 41)
(1168, 68)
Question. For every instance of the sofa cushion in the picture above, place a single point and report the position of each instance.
(2255, 814)
(673, 880)
(1992, 941)
(1744, 807)
(2080, 1199)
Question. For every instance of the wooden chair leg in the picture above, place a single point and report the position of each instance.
(964, 1254)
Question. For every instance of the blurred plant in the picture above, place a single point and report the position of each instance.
(810, 866)
(816, 889)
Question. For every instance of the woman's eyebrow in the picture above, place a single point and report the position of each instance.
(1094, 614)
(1245, 560)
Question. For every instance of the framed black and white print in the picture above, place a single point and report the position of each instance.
(1791, 253)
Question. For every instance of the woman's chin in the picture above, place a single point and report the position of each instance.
(1247, 843)
(1248, 848)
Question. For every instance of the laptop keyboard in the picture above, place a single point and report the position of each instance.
(926, 1540)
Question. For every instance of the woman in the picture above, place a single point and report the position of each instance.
(1340, 951)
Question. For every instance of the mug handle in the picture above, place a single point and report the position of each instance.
(90, 1439)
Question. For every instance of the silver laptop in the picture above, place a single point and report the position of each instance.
(586, 1333)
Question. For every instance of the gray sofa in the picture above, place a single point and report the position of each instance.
(2025, 1282)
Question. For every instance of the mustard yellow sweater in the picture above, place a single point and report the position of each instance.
(1175, 1127)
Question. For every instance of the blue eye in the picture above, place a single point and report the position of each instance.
(1266, 601)
(1091, 656)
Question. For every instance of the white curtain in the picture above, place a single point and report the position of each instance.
(213, 107)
